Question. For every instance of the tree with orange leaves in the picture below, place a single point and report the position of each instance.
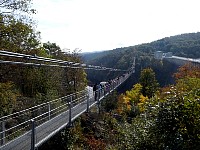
(187, 70)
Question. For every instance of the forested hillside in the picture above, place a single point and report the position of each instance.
(185, 45)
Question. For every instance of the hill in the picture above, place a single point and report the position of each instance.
(184, 45)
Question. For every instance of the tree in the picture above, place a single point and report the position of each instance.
(15, 10)
(8, 6)
(16, 29)
(18, 37)
(132, 102)
(148, 82)
(8, 96)
(172, 117)
(19, 9)
(187, 70)
(52, 49)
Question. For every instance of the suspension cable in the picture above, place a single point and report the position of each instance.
(66, 64)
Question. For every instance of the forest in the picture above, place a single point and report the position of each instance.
(157, 108)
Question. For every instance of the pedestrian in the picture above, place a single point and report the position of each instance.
(94, 88)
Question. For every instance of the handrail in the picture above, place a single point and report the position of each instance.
(61, 106)
(3, 118)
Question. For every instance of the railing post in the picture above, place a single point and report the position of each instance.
(70, 111)
(88, 102)
(98, 101)
(49, 109)
(109, 87)
(112, 85)
(95, 95)
(33, 135)
(3, 133)
(98, 94)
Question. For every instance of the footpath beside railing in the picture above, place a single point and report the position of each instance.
(29, 128)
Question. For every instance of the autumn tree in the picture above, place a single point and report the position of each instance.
(172, 117)
(132, 102)
(187, 70)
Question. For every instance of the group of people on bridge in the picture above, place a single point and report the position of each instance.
(105, 87)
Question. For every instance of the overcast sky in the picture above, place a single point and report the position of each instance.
(93, 25)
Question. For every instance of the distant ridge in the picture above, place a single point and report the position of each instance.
(183, 45)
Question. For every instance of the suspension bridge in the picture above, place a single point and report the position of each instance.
(30, 128)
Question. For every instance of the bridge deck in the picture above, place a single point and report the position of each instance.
(51, 127)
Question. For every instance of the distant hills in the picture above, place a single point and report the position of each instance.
(184, 45)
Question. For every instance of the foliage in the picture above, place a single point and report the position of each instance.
(16, 28)
(169, 120)
(188, 70)
(132, 102)
(185, 45)
(148, 82)
(172, 119)
(19, 10)
(16, 5)
(17, 36)
(109, 104)
(52, 49)
(35, 84)
(8, 96)
(133, 96)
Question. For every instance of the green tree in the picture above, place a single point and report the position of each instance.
(18, 37)
(148, 82)
(16, 29)
(52, 49)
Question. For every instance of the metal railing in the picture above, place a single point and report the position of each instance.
(15, 125)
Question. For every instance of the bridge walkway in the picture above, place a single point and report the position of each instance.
(41, 132)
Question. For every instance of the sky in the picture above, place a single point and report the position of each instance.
(96, 25)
